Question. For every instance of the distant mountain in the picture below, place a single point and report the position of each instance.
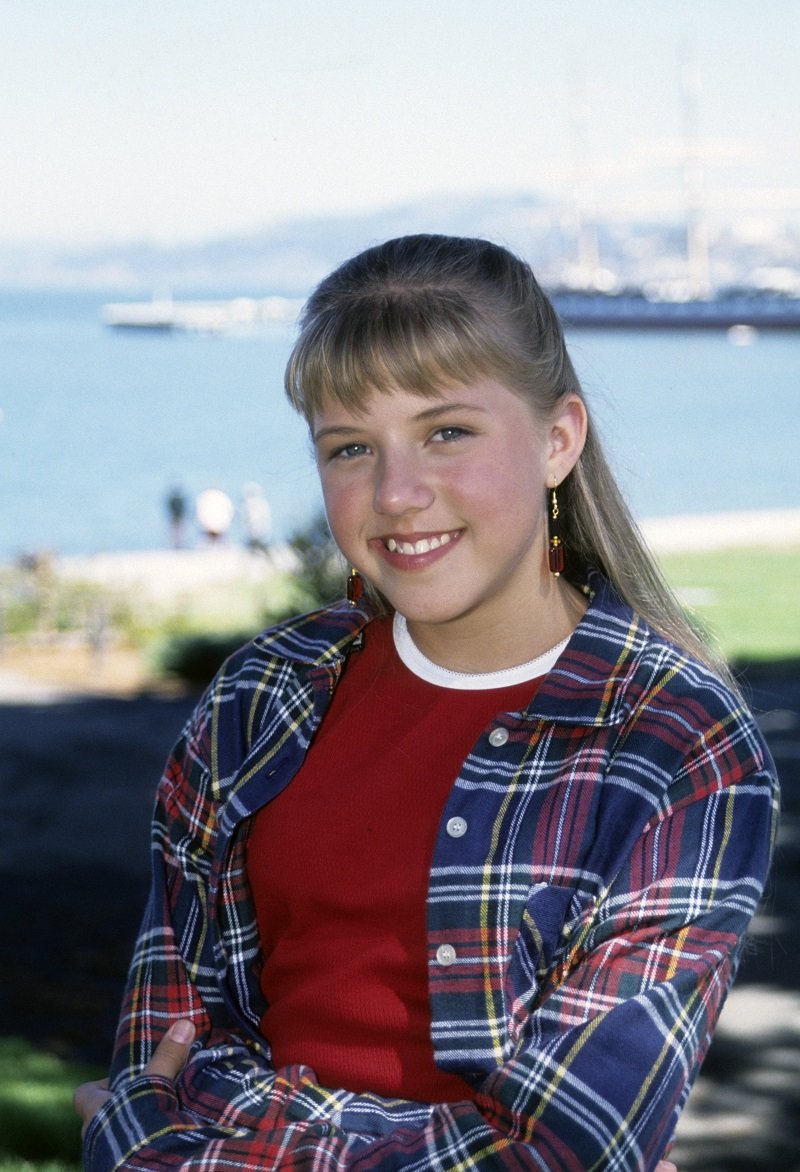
(289, 257)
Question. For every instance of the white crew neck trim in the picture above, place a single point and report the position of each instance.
(443, 677)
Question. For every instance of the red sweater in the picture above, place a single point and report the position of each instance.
(339, 866)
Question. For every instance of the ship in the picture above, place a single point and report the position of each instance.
(738, 311)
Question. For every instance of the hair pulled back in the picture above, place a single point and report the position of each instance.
(422, 312)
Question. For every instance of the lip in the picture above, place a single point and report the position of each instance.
(413, 551)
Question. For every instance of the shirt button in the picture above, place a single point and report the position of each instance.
(498, 737)
(456, 827)
(445, 954)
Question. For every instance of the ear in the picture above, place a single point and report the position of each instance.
(567, 436)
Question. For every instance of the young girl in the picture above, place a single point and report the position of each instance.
(454, 874)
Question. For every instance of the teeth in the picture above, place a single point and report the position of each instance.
(424, 545)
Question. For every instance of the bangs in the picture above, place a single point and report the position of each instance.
(418, 341)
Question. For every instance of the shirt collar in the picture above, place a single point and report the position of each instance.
(320, 639)
(590, 684)
(595, 680)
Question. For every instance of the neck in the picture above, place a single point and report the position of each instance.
(477, 644)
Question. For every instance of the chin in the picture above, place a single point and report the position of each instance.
(427, 613)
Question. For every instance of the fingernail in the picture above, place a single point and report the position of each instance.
(182, 1032)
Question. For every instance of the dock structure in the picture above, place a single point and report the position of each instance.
(635, 311)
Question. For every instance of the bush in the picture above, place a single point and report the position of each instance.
(194, 656)
(321, 567)
(34, 601)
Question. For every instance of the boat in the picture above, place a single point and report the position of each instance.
(207, 317)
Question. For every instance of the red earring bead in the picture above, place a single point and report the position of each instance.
(355, 587)
(555, 556)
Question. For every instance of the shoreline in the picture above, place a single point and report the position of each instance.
(693, 532)
(213, 578)
(167, 572)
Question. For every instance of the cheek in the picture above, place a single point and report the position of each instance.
(503, 487)
(509, 500)
(342, 508)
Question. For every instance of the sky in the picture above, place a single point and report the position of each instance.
(178, 120)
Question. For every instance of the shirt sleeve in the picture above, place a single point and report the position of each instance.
(169, 968)
(607, 1050)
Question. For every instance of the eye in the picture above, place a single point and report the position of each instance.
(449, 435)
(348, 451)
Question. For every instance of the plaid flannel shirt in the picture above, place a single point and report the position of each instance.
(582, 934)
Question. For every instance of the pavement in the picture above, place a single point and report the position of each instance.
(712, 531)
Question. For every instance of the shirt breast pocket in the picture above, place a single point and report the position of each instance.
(549, 918)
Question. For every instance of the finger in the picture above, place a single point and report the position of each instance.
(169, 1056)
(89, 1098)
(666, 1166)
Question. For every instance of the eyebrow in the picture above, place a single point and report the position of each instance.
(429, 413)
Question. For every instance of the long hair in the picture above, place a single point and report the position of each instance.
(421, 312)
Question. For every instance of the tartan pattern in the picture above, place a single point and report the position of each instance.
(618, 843)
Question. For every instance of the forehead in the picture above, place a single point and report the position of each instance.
(396, 404)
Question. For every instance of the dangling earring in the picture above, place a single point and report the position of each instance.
(555, 548)
(355, 587)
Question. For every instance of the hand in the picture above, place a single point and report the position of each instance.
(169, 1059)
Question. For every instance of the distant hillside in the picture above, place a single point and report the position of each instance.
(289, 257)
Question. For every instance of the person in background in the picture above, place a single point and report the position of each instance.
(215, 513)
(256, 517)
(177, 509)
(454, 874)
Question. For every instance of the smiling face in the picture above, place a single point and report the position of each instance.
(440, 502)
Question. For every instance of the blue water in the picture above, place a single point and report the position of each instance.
(97, 424)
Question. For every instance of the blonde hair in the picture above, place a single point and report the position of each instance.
(421, 312)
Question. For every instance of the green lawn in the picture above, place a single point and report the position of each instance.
(38, 1127)
(749, 599)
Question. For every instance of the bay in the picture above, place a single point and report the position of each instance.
(97, 424)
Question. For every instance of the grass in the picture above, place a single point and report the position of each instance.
(748, 599)
(18, 1164)
(38, 1126)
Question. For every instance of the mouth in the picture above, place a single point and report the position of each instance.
(422, 545)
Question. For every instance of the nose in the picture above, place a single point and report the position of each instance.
(402, 484)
